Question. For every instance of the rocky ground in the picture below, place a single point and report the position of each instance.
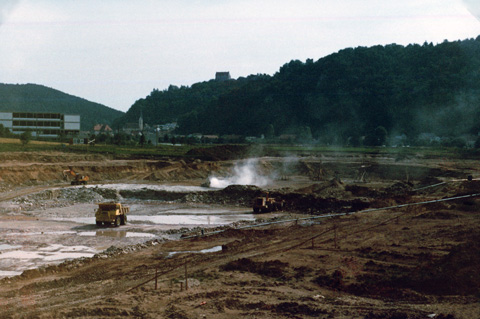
(391, 250)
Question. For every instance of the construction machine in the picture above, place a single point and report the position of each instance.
(111, 213)
(77, 179)
(265, 204)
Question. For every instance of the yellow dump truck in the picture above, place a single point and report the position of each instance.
(111, 213)
(265, 204)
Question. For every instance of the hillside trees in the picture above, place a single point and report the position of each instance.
(38, 98)
(26, 137)
(341, 98)
(5, 132)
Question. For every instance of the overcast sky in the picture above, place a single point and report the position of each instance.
(115, 52)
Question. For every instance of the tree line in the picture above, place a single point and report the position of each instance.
(38, 98)
(357, 95)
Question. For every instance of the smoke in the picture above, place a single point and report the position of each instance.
(474, 7)
(6, 6)
(245, 173)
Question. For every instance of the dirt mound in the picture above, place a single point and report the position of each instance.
(438, 215)
(333, 188)
(274, 268)
(49, 157)
(234, 194)
(101, 170)
(399, 188)
(456, 273)
(222, 152)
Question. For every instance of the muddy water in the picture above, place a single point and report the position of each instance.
(65, 230)
(14, 261)
(192, 219)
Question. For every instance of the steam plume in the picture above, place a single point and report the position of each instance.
(245, 173)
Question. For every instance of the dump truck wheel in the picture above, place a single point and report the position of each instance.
(117, 221)
(256, 210)
(99, 223)
(123, 220)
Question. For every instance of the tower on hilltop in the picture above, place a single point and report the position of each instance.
(222, 76)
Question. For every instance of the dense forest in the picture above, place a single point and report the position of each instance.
(38, 98)
(354, 94)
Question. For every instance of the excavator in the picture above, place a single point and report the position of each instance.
(265, 204)
(77, 179)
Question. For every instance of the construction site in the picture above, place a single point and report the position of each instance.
(307, 235)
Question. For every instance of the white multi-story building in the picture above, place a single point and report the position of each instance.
(49, 125)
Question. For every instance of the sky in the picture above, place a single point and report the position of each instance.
(114, 52)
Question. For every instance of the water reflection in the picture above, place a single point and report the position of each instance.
(203, 251)
(174, 219)
(115, 234)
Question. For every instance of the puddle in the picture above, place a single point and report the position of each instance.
(50, 253)
(4, 274)
(196, 220)
(20, 254)
(46, 256)
(179, 217)
(6, 247)
(105, 233)
(200, 211)
(47, 233)
(80, 220)
(203, 251)
(14, 262)
(116, 234)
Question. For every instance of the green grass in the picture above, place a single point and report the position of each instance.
(14, 145)
(391, 151)
(148, 151)
(134, 151)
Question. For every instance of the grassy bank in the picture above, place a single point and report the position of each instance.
(14, 145)
(167, 150)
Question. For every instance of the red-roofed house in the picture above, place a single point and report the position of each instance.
(102, 128)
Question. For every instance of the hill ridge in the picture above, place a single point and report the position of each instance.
(32, 97)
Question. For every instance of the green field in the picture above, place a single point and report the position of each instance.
(14, 145)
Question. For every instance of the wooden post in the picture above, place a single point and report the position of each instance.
(186, 277)
(335, 235)
(181, 286)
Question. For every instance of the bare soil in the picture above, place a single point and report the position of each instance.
(408, 261)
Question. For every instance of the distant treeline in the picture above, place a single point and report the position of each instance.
(357, 95)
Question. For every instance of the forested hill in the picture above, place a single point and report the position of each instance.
(38, 98)
(407, 90)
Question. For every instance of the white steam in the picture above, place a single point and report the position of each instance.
(245, 173)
